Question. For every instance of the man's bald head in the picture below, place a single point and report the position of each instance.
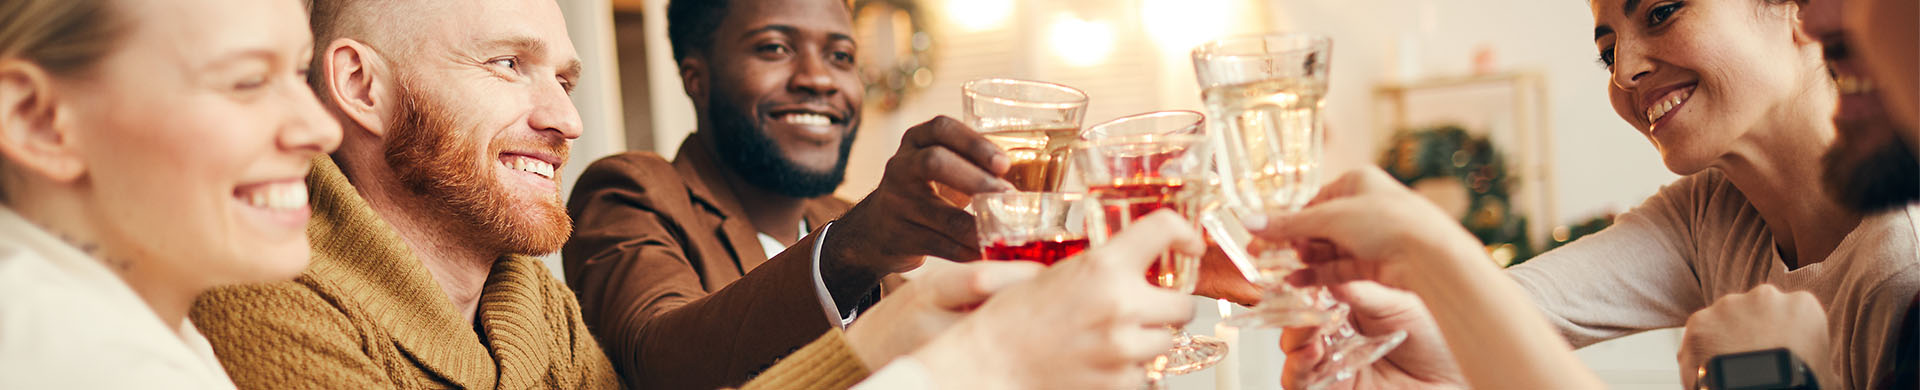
(367, 21)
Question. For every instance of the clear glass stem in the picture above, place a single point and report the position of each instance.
(1347, 351)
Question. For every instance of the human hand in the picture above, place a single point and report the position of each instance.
(1088, 322)
(929, 305)
(1763, 318)
(1371, 219)
(1220, 279)
(906, 218)
(1421, 362)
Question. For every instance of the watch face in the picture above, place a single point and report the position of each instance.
(1762, 370)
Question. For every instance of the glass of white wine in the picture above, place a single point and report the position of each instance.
(1035, 122)
(1265, 95)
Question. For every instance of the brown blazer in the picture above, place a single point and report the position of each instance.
(671, 276)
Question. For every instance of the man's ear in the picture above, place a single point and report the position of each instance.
(33, 135)
(357, 84)
(1799, 24)
(693, 77)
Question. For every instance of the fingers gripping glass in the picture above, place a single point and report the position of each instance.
(1265, 94)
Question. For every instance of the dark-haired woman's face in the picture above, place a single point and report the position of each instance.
(1695, 76)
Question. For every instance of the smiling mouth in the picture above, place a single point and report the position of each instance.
(286, 195)
(528, 165)
(805, 119)
(1660, 108)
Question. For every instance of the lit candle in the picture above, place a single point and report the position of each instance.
(1226, 375)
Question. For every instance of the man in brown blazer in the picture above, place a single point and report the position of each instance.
(704, 271)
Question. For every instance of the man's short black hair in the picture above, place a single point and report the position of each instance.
(691, 23)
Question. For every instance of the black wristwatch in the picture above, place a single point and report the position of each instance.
(1765, 369)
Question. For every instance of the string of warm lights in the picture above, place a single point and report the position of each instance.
(1075, 40)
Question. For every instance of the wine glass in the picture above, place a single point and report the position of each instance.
(1265, 94)
(1042, 227)
(1196, 352)
(1129, 177)
(1034, 122)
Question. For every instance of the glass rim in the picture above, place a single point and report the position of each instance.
(1087, 144)
(1199, 120)
(1219, 48)
(1076, 96)
(1064, 195)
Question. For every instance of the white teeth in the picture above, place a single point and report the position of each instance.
(807, 119)
(530, 165)
(284, 196)
(1660, 109)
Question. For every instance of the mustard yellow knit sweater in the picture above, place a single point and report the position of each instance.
(368, 315)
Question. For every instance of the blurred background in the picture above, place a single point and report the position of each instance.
(1495, 109)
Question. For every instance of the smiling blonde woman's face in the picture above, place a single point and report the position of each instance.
(196, 132)
(1694, 76)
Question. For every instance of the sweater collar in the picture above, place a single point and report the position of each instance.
(351, 242)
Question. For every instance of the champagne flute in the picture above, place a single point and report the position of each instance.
(1129, 177)
(1265, 94)
(1034, 122)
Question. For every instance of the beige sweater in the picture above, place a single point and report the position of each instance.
(368, 315)
(1699, 239)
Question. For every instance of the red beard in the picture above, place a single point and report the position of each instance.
(447, 173)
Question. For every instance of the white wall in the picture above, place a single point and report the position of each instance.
(597, 96)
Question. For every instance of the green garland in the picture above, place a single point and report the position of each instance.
(1450, 152)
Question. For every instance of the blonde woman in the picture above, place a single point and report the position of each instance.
(149, 150)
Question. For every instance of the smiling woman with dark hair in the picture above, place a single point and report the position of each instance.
(1735, 97)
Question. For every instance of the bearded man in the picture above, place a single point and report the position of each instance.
(427, 217)
(737, 249)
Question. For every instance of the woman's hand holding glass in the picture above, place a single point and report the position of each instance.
(1369, 217)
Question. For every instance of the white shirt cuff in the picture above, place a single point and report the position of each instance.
(820, 283)
(905, 373)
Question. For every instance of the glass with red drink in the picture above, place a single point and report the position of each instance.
(1130, 176)
(1043, 227)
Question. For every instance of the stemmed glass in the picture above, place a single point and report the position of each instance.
(1192, 352)
(1034, 122)
(1265, 95)
(1042, 227)
(1129, 177)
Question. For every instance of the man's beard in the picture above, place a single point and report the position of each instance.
(1871, 170)
(745, 147)
(433, 163)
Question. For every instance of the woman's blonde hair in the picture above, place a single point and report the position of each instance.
(64, 37)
